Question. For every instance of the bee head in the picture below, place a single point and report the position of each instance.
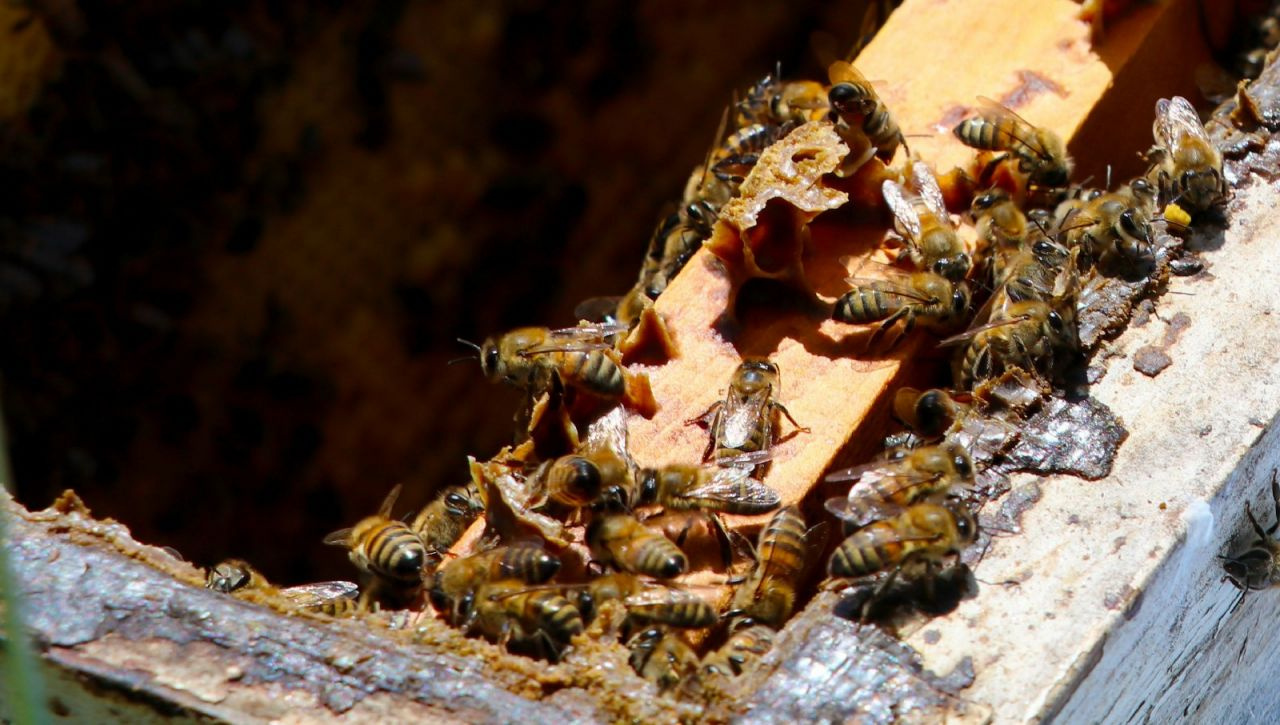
(954, 267)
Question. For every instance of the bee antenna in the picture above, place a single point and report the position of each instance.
(470, 344)
(1108, 186)
(460, 359)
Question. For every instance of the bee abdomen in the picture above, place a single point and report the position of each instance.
(396, 552)
(659, 557)
(691, 614)
(598, 373)
(861, 555)
(577, 481)
(862, 305)
(530, 564)
(562, 618)
(980, 134)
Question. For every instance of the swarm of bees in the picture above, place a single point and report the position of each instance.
(572, 543)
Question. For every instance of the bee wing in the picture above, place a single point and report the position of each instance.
(926, 185)
(1176, 118)
(311, 595)
(609, 432)
(996, 110)
(735, 485)
(740, 416)
(974, 331)
(870, 470)
(598, 309)
(658, 594)
(842, 71)
(341, 537)
(746, 460)
(900, 204)
(566, 346)
(389, 502)
(874, 511)
(1020, 129)
(889, 288)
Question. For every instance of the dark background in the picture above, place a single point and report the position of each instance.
(239, 239)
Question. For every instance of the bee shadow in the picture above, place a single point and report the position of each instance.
(949, 587)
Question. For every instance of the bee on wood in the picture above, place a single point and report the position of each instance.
(442, 522)
(861, 118)
(743, 647)
(747, 419)
(1040, 154)
(1187, 167)
(679, 487)
(768, 595)
(387, 551)
(883, 489)
(453, 587)
(933, 300)
(1256, 567)
(661, 656)
(646, 602)
(335, 598)
(1025, 335)
(918, 539)
(922, 220)
(619, 539)
(537, 620)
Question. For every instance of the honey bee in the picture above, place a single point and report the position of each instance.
(679, 487)
(335, 598)
(1109, 229)
(579, 480)
(538, 620)
(935, 301)
(619, 539)
(861, 118)
(581, 357)
(740, 152)
(1034, 271)
(743, 647)
(775, 102)
(672, 245)
(1187, 167)
(1040, 153)
(453, 587)
(768, 595)
(383, 547)
(922, 535)
(661, 656)
(1025, 335)
(929, 413)
(882, 489)
(648, 602)
(922, 219)
(746, 420)
(1001, 224)
(1256, 568)
(441, 523)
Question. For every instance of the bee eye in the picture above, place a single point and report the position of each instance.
(1055, 321)
(840, 93)
(963, 527)
(962, 466)
(455, 502)
(490, 362)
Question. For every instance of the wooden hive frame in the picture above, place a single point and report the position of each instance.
(1110, 604)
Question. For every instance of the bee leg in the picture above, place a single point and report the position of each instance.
(878, 594)
(984, 174)
(723, 536)
(708, 420)
(805, 429)
(1275, 496)
(889, 322)
(1263, 534)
